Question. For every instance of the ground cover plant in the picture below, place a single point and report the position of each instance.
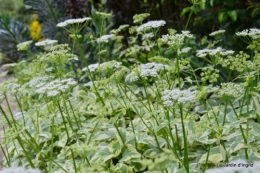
(166, 103)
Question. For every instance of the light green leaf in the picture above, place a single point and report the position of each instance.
(115, 148)
(215, 156)
(129, 154)
(256, 129)
(233, 15)
(104, 135)
(185, 10)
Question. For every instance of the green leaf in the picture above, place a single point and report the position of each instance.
(115, 148)
(222, 16)
(105, 154)
(233, 15)
(104, 135)
(45, 136)
(215, 156)
(185, 10)
(129, 154)
(255, 128)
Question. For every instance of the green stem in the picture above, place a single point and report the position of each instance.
(186, 156)
(188, 20)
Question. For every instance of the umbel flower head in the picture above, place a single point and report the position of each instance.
(151, 69)
(150, 25)
(171, 97)
(176, 40)
(72, 21)
(47, 44)
(253, 33)
(105, 38)
(24, 45)
(213, 52)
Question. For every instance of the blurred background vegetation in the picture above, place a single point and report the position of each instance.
(22, 20)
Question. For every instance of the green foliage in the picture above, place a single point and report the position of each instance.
(144, 107)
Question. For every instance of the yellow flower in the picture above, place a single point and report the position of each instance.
(36, 28)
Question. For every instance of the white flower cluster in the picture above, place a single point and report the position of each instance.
(176, 40)
(92, 67)
(151, 69)
(38, 82)
(148, 35)
(11, 88)
(19, 170)
(238, 166)
(219, 32)
(133, 76)
(104, 66)
(47, 44)
(55, 87)
(171, 97)
(89, 84)
(253, 33)
(72, 21)
(212, 52)
(24, 45)
(151, 24)
(231, 90)
(184, 50)
(105, 38)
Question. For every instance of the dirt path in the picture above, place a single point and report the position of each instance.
(4, 105)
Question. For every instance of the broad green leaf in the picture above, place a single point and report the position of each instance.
(215, 156)
(233, 15)
(115, 148)
(255, 128)
(122, 136)
(222, 16)
(204, 138)
(185, 10)
(129, 154)
(105, 154)
(104, 135)
(223, 152)
(44, 136)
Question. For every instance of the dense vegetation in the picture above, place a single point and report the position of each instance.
(98, 92)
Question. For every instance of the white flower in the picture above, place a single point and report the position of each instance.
(151, 69)
(105, 38)
(231, 90)
(92, 67)
(212, 52)
(253, 33)
(19, 170)
(38, 82)
(47, 44)
(148, 35)
(53, 88)
(72, 21)
(151, 24)
(89, 84)
(215, 33)
(176, 40)
(24, 45)
(184, 50)
(170, 97)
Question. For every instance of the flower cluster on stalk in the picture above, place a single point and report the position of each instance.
(176, 96)
(214, 52)
(57, 86)
(73, 21)
(150, 25)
